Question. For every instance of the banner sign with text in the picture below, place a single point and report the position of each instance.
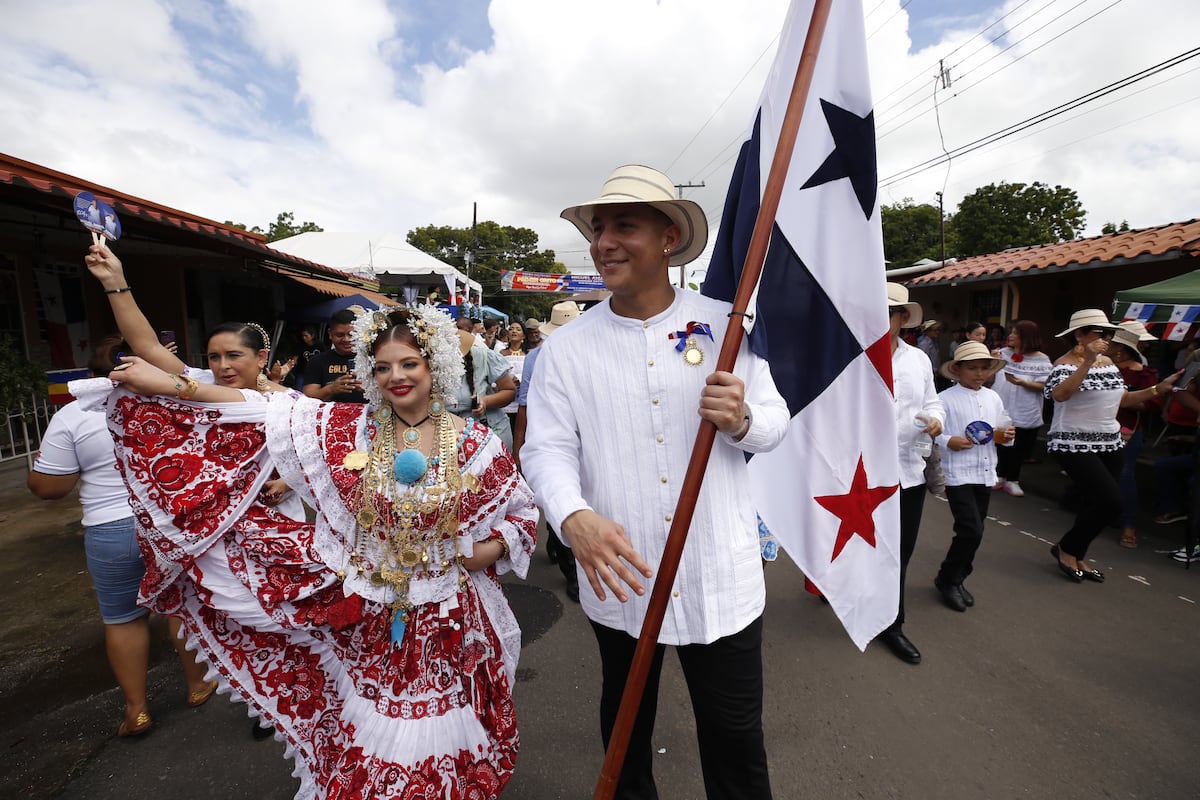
(512, 280)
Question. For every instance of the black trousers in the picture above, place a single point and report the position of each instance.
(563, 555)
(1010, 459)
(912, 502)
(725, 682)
(969, 505)
(1095, 479)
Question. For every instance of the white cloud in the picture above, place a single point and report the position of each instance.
(193, 106)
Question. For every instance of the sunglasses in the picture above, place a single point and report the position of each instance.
(1106, 333)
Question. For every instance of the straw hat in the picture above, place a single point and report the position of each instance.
(638, 184)
(1138, 328)
(898, 296)
(1088, 318)
(1129, 339)
(561, 314)
(931, 323)
(971, 351)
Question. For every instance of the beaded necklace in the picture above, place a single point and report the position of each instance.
(407, 525)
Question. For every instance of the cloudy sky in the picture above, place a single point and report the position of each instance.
(385, 115)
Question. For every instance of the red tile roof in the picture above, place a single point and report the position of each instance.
(16, 172)
(1162, 243)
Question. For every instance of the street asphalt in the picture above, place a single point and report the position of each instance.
(1045, 689)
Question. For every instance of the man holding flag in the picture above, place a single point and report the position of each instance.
(619, 399)
(829, 492)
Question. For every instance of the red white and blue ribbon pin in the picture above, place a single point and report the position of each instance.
(692, 354)
(98, 217)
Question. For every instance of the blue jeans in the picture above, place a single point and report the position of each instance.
(116, 567)
(1128, 479)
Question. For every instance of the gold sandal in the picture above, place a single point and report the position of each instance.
(200, 696)
(141, 723)
(1128, 539)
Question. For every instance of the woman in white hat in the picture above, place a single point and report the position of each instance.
(1085, 437)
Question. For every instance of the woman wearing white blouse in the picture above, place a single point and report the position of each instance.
(1085, 438)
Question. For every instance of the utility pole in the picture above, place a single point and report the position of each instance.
(679, 187)
(471, 254)
(942, 223)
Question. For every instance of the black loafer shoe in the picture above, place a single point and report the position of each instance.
(1092, 575)
(900, 646)
(968, 598)
(952, 595)
(573, 589)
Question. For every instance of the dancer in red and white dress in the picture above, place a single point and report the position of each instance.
(378, 640)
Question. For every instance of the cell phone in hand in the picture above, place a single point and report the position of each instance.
(1189, 375)
(166, 337)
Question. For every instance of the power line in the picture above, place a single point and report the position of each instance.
(883, 25)
(766, 49)
(1008, 64)
(1037, 119)
(921, 75)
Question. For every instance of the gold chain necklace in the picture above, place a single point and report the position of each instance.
(403, 532)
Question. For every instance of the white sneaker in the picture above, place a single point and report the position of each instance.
(1182, 556)
(1013, 488)
(998, 485)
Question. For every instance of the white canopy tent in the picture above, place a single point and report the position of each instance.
(386, 257)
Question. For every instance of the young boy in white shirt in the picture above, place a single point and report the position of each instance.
(975, 424)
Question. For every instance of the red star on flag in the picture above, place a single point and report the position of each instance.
(856, 509)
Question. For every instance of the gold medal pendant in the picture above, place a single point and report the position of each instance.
(692, 354)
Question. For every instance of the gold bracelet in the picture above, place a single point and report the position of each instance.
(1154, 390)
(193, 386)
(503, 546)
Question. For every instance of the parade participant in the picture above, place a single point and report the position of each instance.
(237, 353)
(330, 376)
(919, 416)
(1085, 437)
(487, 387)
(378, 640)
(972, 431)
(1020, 384)
(516, 341)
(613, 413)
(78, 449)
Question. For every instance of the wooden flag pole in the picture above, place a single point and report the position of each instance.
(635, 683)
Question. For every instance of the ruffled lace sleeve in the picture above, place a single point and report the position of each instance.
(502, 504)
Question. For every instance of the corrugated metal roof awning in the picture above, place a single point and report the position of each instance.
(334, 289)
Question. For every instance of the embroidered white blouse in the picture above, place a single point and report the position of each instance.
(1087, 421)
(612, 419)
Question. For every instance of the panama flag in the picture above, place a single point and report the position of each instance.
(66, 318)
(1180, 321)
(1139, 311)
(829, 492)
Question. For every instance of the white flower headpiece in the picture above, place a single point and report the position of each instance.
(436, 337)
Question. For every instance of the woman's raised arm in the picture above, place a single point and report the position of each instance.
(134, 327)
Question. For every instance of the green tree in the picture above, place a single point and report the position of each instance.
(999, 216)
(493, 247)
(912, 232)
(283, 227)
(1110, 227)
(20, 380)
